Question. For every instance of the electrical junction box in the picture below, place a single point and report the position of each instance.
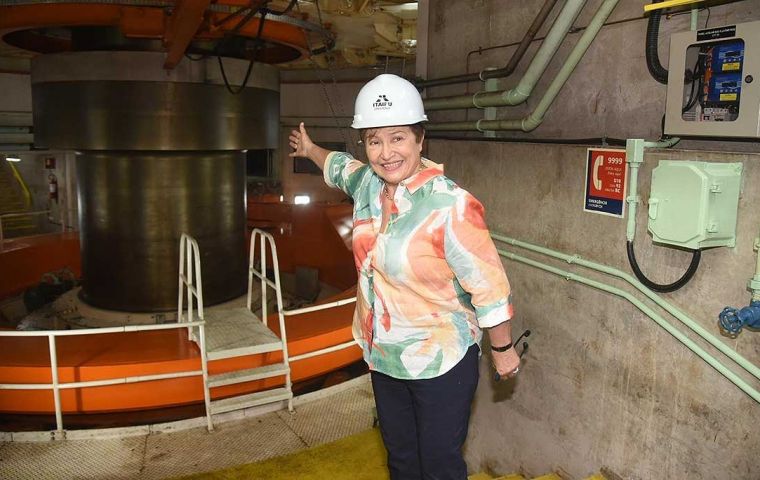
(714, 82)
(694, 204)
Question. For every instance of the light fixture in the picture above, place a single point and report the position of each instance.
(13, 159)
(301, 200)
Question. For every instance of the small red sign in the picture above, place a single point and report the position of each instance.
(605, 181)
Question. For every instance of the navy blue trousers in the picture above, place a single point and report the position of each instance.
(424, 422)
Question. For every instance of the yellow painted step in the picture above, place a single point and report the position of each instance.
(598, 476)
(512, 476)
(480, 476)
(551, 476)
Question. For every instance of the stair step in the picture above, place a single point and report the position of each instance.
(480, 476)
(250, 400)
(598, 476)
(513, 476)
(237, 332)
(551, 476)
(249, 375)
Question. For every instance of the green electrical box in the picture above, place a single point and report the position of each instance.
(694, 204)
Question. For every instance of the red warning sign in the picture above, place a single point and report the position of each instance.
(605, 181)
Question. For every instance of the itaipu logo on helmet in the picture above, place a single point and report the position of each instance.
(382, 103)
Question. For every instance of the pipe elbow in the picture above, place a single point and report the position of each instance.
(531, 122)
(514, 97)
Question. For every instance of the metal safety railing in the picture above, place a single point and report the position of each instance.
(8, 216)
(190, 285)
(326, 306)
(264, 240)
(190, 282)
(56, 386)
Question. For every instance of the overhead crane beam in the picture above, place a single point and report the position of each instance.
(185, 21)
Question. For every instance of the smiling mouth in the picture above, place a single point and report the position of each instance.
(392, 165)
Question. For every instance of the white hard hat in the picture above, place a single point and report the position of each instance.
(388, 100)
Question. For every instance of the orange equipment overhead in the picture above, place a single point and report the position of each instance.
(176, 27)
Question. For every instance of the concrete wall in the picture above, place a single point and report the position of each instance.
(310, 103)
(602, 385)
(17, 93)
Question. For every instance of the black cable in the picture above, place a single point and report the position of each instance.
(656, 69)
(671, 287)
(697, 79)
(257, 41)
(287, 9)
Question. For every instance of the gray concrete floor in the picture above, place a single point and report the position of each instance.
(318, 419)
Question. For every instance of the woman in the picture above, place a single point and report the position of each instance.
(429, 280)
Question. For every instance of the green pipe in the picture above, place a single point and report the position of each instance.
(686, 341)
(685, 319)
(537, 67)
(694, 18)
(535, 118)
(754, 282)
(634, 155)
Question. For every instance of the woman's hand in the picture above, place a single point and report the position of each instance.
(506, 363)
(301, 143)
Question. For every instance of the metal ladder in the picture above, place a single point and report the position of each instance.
(237, 332)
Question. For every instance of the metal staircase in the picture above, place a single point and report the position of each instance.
(236, 332)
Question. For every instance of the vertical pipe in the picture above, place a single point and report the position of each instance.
(486, 74)
(54, 379)
(754, 283)
(537, 67)
(535, 118)
(694, 18)
(634, 156)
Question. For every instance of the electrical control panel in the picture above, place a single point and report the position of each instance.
(714, 82)
(694, 204)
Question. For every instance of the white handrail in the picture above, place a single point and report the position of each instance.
(267, 238)
(322, 351)
(189, 257)
(95, 331)
(56, 385)
(324, 306)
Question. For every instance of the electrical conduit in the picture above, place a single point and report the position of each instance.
(535, 118)
(685, 319)
(529, 80)
(686, 341)
(754, 282)
(634, 158)
(486, 74)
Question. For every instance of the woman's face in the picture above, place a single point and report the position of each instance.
(393, 152)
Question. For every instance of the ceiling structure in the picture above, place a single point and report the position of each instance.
(340, 34)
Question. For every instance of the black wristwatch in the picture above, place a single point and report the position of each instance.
(502, 349)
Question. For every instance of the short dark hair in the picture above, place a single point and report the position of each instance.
(418, 129)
